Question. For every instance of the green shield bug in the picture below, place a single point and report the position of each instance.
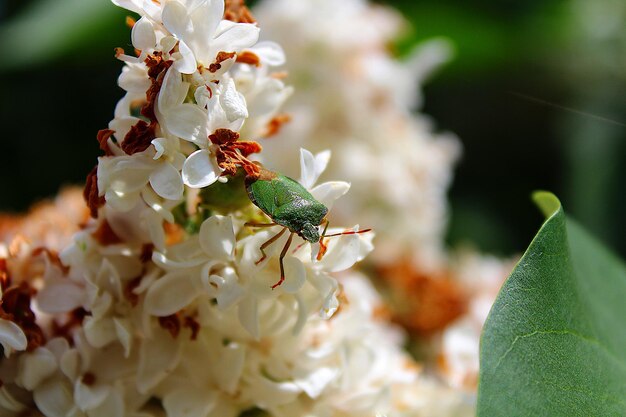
(284, 200)
(290, 205)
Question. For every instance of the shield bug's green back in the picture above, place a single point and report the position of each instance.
(287, 203)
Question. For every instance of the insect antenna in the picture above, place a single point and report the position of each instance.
(324, 247)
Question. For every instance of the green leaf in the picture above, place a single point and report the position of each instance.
(554, 343)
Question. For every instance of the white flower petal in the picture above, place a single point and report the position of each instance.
(123, 328)
(315, 382)
(160, 145)
(11, 337)
(175, 19)
(88, 397)
(327, 192)
(160, 212)
(69, 364)
(99, 332)
(228, 289)
(54, 398)
(307, 169)
(217, 237)
(58, 346)
(157, 358)
(295, 275)
(132, 5)
(166, 182)
(249, 315)
(345, 250)
(233, 103)
(134, 79)
(188, 122)
(186, 61)
(173, 91)
(170, 265)
(112, 406)
(60, 295)
(121, 126)
(142, 34)
(35, 367)
(8, 402)
(200, 169)
(233, 37)
(189, 401)
(270, 53)
(171, 293)
(205, 19)
(271, 392)
(303, 314)
(228, 377)
(321, 162)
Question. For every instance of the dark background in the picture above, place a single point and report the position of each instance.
(535, 92)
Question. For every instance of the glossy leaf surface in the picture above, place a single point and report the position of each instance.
(554, 343)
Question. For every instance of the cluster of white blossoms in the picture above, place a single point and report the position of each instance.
(354, 97)
(161, 305)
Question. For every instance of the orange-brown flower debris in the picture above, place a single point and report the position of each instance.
(237, 11)
(424, 303)
(227, 156)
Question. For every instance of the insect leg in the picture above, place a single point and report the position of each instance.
(323, 247)
(269, 242)
(280, 261)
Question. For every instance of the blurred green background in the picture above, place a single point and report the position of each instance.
(535, 92)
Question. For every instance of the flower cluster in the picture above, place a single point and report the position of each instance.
(163, 303)
(353, 96)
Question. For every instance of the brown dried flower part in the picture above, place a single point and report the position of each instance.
(103, 140)
(130, 22)
(139, 137)
(192, 325)
(53, 257)
(248, 57)
(221, 57)
(15, 307)
(276, 124)
(74, 320)
(91, 193)
(174, 233)
(423, 303)
(171, 323)
(129, 291)
(105, 235)
(227, 156)
(88, 379)
(343, 302)
(5, 277)
(146, 252)
(236, 11)
(157, 68)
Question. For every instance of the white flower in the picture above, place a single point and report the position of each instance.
(216, 106)
(202, 33)
(123, 179)
(12, 337)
